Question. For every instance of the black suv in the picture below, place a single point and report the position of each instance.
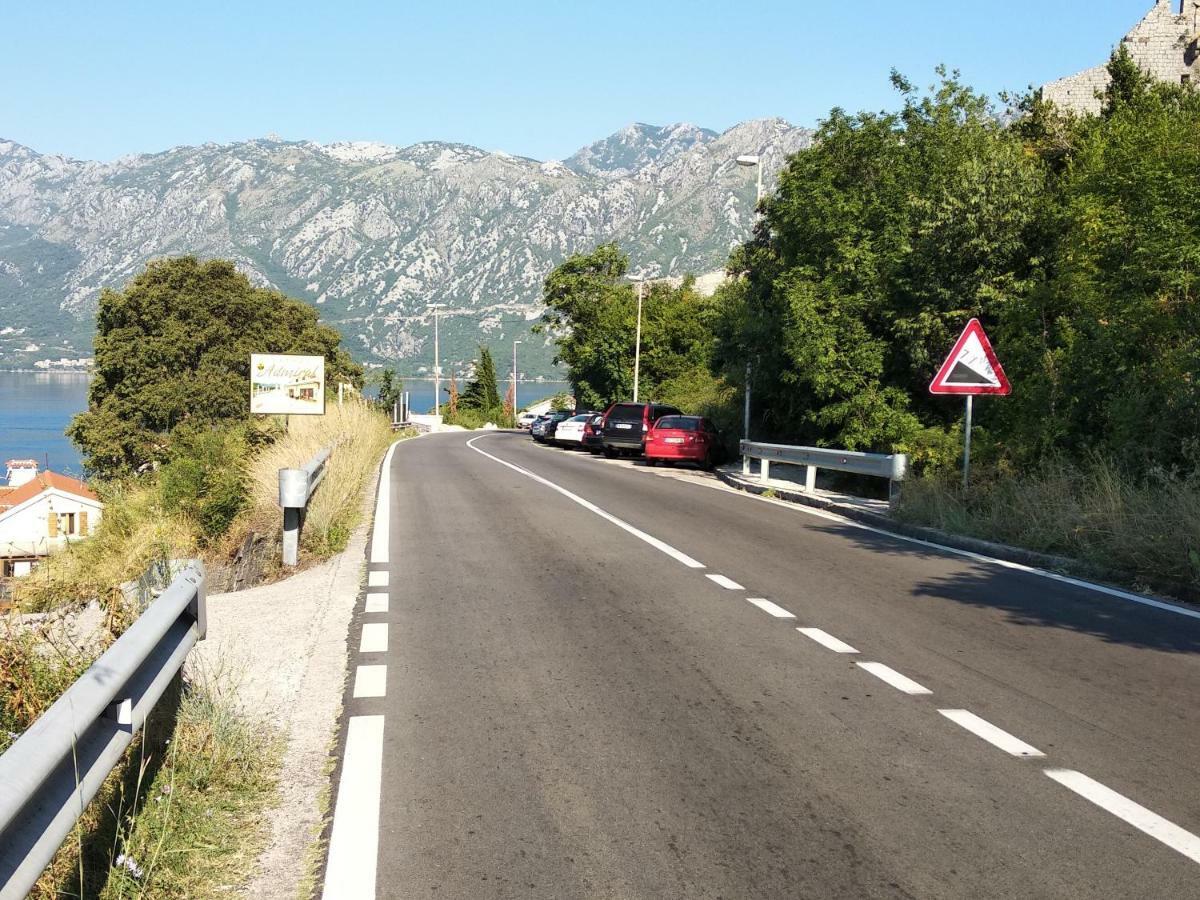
(625, 426)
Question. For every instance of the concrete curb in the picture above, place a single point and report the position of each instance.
(919, 532)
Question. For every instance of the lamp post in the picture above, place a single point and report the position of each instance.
(637, 345)
(437, 362)
(750, 159)
(514, 409)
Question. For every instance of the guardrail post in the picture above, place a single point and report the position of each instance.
(764, 470)
(293, 497)
(745, 463)
(810, 478)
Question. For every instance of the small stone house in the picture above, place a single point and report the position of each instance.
(1165, 44)
(40, 512)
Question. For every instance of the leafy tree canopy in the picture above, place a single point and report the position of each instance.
(174, 347)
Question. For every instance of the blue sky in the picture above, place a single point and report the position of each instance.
(97, 80)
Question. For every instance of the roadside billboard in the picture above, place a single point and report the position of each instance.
(286, 385)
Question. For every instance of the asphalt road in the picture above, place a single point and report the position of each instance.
(570, 709)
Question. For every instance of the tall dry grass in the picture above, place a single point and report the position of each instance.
(359, 436)
(1145, 531)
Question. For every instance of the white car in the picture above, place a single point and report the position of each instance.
(525, 419)
(569, 433)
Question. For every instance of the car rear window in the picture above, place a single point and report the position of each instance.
(627, 412)
(579, 418)
(682, 423)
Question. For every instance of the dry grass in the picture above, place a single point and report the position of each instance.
(134, 532)
(359, 435)
(1145, 533)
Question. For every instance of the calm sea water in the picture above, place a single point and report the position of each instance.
(34, 411)
(36, 408)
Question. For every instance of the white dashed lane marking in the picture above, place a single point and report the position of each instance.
(370, 681)
(894, 678)
(997, 737)
(827, 640)
(377, 579)
(768, 607)
(1133, 813)
(728, 583)
(354, 842)
(377, 603)
(374, 638)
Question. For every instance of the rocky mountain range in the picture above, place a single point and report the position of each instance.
(370, 233)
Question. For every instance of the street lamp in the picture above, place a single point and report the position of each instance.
(750, 159)
(514, 409)
(637, 346)
(437, 361)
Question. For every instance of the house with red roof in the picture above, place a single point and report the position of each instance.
(41, 511)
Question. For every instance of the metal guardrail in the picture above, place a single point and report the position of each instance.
(296, 487)
(53, 770)
(892, 466)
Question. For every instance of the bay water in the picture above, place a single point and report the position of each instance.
(36, 408)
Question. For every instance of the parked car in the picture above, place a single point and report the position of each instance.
(684, 439)
(537, 428)
(626, 425)
(593, 440)
(569, 432)
(526, 419)
(550, 425)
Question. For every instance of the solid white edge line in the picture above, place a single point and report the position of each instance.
(955, 551)
(380, 531)
(377, 579)
(827, 640)
(770, 608)
(370, 681)
(354, 841)
(677, 555)
(376, 603)
(374, 638)
(728, 583)
(1178, 839)
(997, 737)
(895, 679)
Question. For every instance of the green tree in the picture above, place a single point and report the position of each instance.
(591, 313)
(390, 388)
(482, 393)
(880, 241)
(174, 347)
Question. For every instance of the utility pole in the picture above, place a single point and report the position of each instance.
(637, 347)
(437, 362)
(755, 161)
(514, 381)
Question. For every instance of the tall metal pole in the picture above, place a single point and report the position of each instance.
(967, 446)
(637, 347)
(437, 368)
(514, 381)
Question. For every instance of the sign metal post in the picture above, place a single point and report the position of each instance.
(971, 368)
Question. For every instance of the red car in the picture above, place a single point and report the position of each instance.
(684, 439)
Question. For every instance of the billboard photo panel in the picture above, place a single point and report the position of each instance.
(287, 385)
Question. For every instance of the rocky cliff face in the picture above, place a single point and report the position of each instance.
(370, 233)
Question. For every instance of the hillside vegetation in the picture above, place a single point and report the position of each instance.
(1076, 241)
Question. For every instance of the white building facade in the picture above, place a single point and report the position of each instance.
(40, 512)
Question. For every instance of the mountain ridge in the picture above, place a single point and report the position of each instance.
(368, 232)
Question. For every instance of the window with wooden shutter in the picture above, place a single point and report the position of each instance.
(52, 524)
(83, 522)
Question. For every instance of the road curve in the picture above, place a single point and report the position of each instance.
(587, 680)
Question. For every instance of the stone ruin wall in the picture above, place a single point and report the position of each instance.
(1164, 44)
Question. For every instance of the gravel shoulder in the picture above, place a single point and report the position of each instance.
(281, 649)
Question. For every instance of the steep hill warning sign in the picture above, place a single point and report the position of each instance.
(971, 367)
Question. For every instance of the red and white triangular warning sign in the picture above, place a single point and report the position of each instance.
(971, 367)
